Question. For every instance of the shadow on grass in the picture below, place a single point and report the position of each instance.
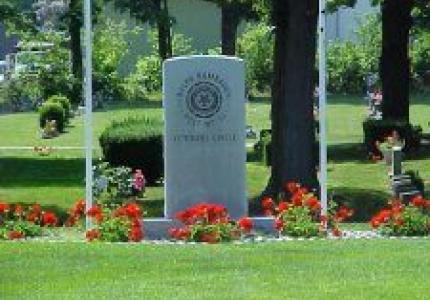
(365, 202)
(41, 172)
(420, 154)
(132, 104)
(347, 152)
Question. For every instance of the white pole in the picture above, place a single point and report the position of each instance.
(88, 110)
(322, 105)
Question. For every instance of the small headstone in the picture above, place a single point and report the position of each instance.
(205, 154)
(396, 161)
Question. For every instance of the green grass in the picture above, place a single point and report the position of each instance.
(352, 269)
(58, 180)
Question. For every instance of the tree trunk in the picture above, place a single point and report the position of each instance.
(229, 23)
(395, 63)
(293, 131)
(164, 35)
(75, 49)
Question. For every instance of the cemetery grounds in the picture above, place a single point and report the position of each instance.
(71, 269)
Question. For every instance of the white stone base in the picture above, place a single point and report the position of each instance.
(157, 228)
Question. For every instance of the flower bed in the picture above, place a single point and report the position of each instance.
(18, 222)
(209, 223)
(298, 213)
(404, 220)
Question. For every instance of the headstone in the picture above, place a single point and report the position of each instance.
(396, 161)
(205, 155)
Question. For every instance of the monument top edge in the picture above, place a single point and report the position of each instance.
(203, 57)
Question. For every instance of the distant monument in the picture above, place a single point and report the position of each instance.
(205, 154)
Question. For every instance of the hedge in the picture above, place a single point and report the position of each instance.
(136, 143)
(52, 111)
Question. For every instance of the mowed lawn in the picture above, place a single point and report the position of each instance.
(58, 180)
(344, 269)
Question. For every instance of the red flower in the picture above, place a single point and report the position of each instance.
(96, 212)
(343, 213)
(313, 203)
(120, 212)
(133, 211)
(267, 203)
(18, 210)
(15, 234)
(337, 232)
(291, 187)
(245, 224)
(79, 208)
(297, 198)
(180, 233)
(49, 219)
(418, 201)
(279, 225)
(283, 206)
(135, 234)
(428, 204)
(4, 208)
(33, 217)
(92, 234)
(35, 208)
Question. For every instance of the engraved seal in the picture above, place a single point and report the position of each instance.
(204, 99)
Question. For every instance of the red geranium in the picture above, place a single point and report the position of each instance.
(283, 206)
(245, 224)
(133, 211)
(19, 211)
(418, 201)
(279, 225)
(92, 234)
(49, 219)
(96, 213)
(4, 208)
(135, 234)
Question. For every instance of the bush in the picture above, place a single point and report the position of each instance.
(348, 63)
(136, 143)
(378, 130)
(52, 111)
(255, 46)
(401, 220)
(209, 223)
(65, 103)
(263, 147)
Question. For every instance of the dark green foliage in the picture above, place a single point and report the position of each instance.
(416, 180)
(65, 103)
(52, 111)
(263, 147)
(136, 143)
(378, 130)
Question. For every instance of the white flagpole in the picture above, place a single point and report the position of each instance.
(322, 105)
(88, 110)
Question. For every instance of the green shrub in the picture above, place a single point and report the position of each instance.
(136, 143)
(420, 54)
(255, 46)
(378, 130)
(348, 63)
(64, 102)
(52, 111)
(263, 147)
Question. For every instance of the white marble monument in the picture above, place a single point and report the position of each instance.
(204, 141)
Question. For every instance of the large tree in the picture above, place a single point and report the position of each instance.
(395, 63)
(293, 132)
(398, 16)
(17, 14)
(156, 12)
(232, 13)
